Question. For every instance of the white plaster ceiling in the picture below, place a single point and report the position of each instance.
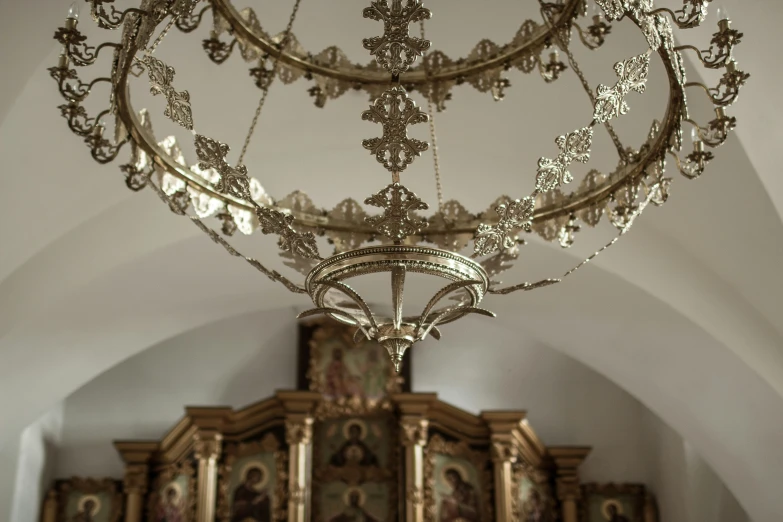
(684, 313)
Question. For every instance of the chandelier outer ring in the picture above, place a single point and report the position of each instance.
(362, 75)
(653, 151)
(383, 258)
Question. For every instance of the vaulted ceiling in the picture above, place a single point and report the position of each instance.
(684, 313)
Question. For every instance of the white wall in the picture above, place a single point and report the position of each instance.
(686, 487)
(240, 360)
(233, 362)
(35, 465)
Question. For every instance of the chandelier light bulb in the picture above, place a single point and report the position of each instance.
(695, 135)
(73, 12)
(723, 13)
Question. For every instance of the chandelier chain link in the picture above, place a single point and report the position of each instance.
(162, 35)
(265, 88)
(433, 137)
(585, 84)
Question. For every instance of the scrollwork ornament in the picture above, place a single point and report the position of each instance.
(574, 146)
(229, 226)
(396, 40)
(515, 215)
(394, 110)
(613, 9)
(161, 76)
(395, 222)
(692, 13)
(276, 222)
(729, 86)
(135, 178)
(183, 8)
(79, 121)
(179, 201)
(233, 180)
(217, 50)
(632, 74)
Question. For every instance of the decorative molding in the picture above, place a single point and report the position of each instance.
(299, 431)
(413, 431)
(207, 445)
(136, 479)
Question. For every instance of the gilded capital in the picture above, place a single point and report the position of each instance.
(136, 479)
(207, 445)
(299, 431)
(504, 451)
(413, 431)
(568, 488)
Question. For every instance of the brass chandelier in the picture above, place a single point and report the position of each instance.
(221, 198)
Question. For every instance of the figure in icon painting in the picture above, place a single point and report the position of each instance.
(89, 506)
(251, 501)
(354, 451)
(536, 508)
(354, 508)
(171, 507)
(612, 511)
(340, 380)
(341, 369)
(462, 503)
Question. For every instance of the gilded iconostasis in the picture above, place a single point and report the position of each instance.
(352, 444)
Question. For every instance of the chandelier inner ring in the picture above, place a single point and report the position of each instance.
(413, 259)
(363, 75)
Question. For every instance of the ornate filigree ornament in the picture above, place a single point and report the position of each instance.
(396, 222)
(394, 110)
(213, 192)
(515, 215)
(396, 40)
(161, 76)
(610, 101)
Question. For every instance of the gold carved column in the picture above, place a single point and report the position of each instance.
(299, 436)
(414, 425)
(136, 456)
(50, 507)
(207, 445)
(567, 461)
(413, 430)
(507, 443)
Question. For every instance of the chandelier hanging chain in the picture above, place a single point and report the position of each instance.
(433, 137)
(268, 83)
(162, 35)
(585, 84)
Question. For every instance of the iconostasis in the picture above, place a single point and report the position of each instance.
(351, 444)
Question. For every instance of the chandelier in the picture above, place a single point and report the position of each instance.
(464, 251)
